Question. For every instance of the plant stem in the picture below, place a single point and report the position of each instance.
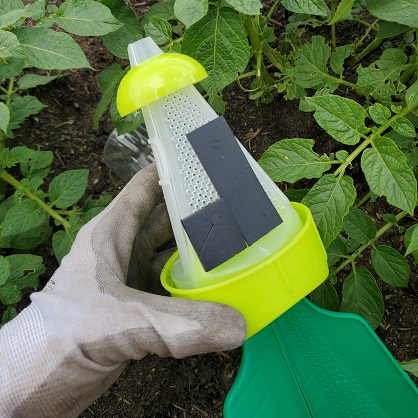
(379, 233)
(246, 75)
(369, 140)
(365, 199)
(408, 73)
(273, 56)
(69, 212)
(367, 33)
(10, 91)
(347, 83)
(272, 9)
(256, 45)
(416, 48)
(369, 48)
(18, 185)
(333, 34)
(362, 22)
(255, 41)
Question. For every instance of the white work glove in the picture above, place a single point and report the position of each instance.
(79, 333)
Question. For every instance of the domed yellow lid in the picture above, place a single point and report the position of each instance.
(156, 77)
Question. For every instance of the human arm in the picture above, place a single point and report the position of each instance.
(78, 334)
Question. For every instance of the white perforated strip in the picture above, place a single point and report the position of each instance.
(184, 116)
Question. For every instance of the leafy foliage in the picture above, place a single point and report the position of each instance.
(370, 114)
(32, 215)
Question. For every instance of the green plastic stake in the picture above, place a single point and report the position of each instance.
(311, 362)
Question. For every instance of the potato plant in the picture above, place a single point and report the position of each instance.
(31, 214)
(368, 109)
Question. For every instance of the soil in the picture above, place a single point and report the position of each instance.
(195, 386)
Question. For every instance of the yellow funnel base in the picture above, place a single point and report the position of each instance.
(270, 288)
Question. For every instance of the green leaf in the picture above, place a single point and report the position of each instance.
(359, 226)
(6, 205)
(61, 244)
(164, 10)
(4, 270)
(25, 215)
(190, 11)
(85, 18)
(401, 141)
(67, 188)
(352, 245)
(11, 67)
(159, 30)
(10, 294)
(340, 117)
(381, 78)
(338, 57)
(293, 159)
(9, 44)
(401, 11)
(389, 217)
(410, 366)
(12, 18)
(88, 216)
(125, 124)
(329, 201)
(108, 81)
(29, 81)
(102, 201)
(7, 6)
(62, 241)
(33, 184)
(411, 96)
(28, 239)
(388, 174)
(336, 250)
(412, 159)
(310, 69)
(21, 108)
(8, 315)
(326, 297)
(35, 10)
(379, 113)
(361, 295)
(341, 155)
(50, 50)
(310, 7)
(390, 265)
(396, 108)
(404, 127)
(247, 7)
(390, 29)
(343, 11)
(37, 165)
(117, 42)
(296, 195)
(25, 269)
(4, 117)
(411, 239)
(219, 42)
(16, 16)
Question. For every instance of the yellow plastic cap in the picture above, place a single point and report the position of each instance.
(272, 287)
(157, 77)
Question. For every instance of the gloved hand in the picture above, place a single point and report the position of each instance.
(77, 336)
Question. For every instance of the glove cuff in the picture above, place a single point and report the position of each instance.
(26, 359)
